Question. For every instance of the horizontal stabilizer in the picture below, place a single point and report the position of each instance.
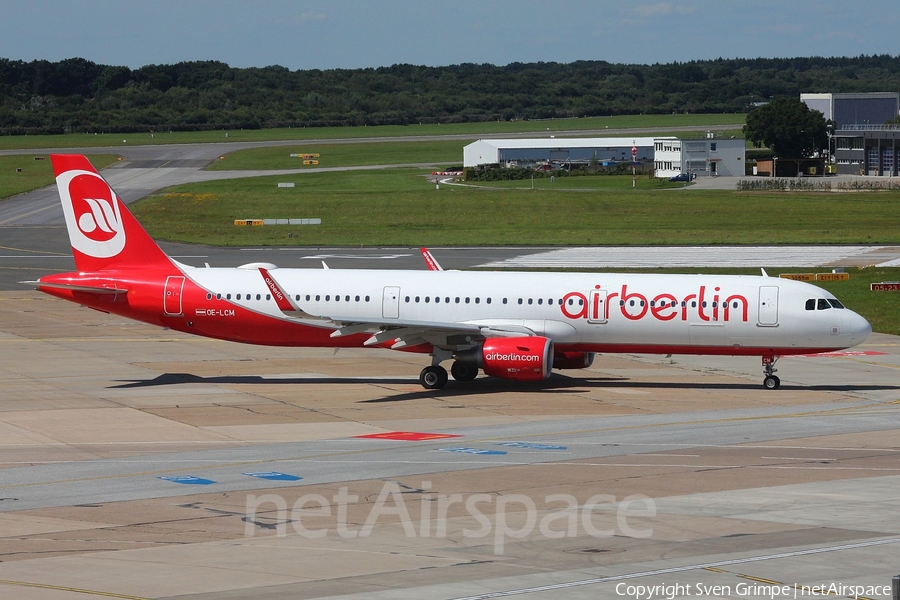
(78, 288)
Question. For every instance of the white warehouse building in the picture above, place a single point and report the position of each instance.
(702, 156)
(557, 152)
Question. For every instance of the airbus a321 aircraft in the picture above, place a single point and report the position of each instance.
(511, 325)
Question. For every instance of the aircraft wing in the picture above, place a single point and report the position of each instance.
(403, 333)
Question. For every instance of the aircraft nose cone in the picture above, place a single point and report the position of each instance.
(856, 328)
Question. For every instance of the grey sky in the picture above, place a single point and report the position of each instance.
(356, 33)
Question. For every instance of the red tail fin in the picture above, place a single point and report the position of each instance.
(103, 233)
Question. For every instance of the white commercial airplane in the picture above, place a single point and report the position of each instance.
(511, 325)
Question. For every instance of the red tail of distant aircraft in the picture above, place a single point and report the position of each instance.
(510, 325)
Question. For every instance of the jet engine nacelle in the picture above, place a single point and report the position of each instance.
(521, 359)
(573, 360)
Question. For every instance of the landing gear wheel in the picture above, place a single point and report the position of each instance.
(771, 382)
(463, 372)
(433, 377)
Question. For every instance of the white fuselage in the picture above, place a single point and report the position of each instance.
(590, 311)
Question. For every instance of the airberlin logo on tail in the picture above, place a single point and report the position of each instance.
(99, 222)
(92, 214)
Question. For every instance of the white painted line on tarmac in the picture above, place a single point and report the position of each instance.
(687, 256)
(695, 567)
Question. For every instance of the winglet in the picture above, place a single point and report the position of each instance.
(284, 301)
(429, 260)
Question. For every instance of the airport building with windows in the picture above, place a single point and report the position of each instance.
(699, 157)
(868, 150)
(556, 153)
(864, 144)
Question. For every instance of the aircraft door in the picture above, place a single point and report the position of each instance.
(172, 299)
(768, 306)
(390, 304)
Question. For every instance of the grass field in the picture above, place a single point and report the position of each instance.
(344, 155)
(474, 129)
(401, 207)
(35, 173)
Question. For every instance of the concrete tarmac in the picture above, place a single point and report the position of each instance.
(143, 463)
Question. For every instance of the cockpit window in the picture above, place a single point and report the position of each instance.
(835, 303)
(811, 304)
(823, 304)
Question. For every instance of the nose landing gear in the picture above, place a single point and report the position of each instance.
(771, 382)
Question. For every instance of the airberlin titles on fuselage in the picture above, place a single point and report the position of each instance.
(634, 306)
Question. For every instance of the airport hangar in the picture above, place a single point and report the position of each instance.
(668, 156)
(556, 152)
(864, 144)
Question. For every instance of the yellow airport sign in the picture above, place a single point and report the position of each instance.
(832, 276)
(799, 276)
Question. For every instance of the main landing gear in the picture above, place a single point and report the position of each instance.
(463, 371)
(771, 382)
(435, 376)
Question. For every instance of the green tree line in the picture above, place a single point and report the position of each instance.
(77, 95)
